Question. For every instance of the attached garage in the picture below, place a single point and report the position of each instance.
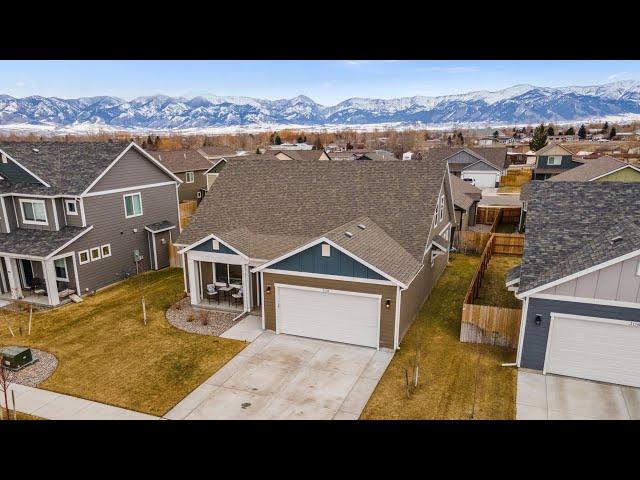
(598, 349)
(334, 315)
(483, 179)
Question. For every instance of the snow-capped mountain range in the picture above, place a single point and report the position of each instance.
(520, 104)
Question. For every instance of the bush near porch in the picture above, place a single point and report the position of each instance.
(457, 380)
(108, 355)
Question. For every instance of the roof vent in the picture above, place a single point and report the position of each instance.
(614, 240)
(361, 226)
(348, 234)
(4, 158)
(35, 150)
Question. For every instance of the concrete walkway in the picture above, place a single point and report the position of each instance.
(553, 397)
(57, 406)
(288, 377)
(247, 329)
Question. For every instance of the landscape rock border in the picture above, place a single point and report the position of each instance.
(38, 372)
(217, 321)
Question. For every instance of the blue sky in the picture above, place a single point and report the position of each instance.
(327, 82)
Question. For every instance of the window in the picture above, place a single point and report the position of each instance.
(190, 177)
(95, 254)
(554, 160)
(133, 205)
(215, 244)
(231, 274)
(71, 207)
(33, 212)
(105, 250)
(433, 259)
(61, 269)
(83, 257)
(326, 250)
(638, 270)
(199, 194)
(441, 208)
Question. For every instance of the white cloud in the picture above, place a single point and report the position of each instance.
(448, 69)
(615, 76)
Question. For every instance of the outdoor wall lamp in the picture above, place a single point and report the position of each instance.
(387, 304)
(268, 289)
(538, 319)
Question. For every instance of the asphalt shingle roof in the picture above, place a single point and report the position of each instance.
(496, 156)
(571, 226)
(464, 194)
(300, 154)
(589, 170)
(38, 243)
(69, 167)
(160, 226)
(284, 204)
(181, 160)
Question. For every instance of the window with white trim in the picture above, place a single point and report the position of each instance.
(441, 208)
(83, 257)
(133, 205)
(33, 212)
(70, 207)
(199, 194)
(215, 244)
(95, 254)
(105, 250)
(554, 160)
(326, 250)
(433, 258)
(189, 177)
(638, 269)
(61, 269)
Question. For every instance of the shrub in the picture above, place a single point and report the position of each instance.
(191, 317)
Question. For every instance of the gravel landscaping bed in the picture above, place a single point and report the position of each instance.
(38, 372)
(217, 322)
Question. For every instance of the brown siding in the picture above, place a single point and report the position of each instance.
(188, 191)
(387, 315)
(106, 214)
(72, 220)
(132, 169)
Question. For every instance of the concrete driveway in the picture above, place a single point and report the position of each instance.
(287, 377)
(552, 397)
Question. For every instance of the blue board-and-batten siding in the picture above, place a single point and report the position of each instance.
(338, 263)
(207, 246)
(534, 345)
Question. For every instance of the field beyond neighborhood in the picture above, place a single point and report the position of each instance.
(107, 354)
(456, 380)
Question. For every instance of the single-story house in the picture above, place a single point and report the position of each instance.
(465, 202)
(483, 166)
(580, 281)
(340, 251)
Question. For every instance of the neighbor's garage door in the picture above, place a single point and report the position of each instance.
(482, 179)
(602, 350)
(335, 315)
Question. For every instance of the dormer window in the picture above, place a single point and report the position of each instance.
(190, 177)
(33, 212)
(70, 207)
(554, 160)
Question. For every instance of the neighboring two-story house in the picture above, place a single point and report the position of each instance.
(190, 166)
(76, 217)
(483, 167)
(551, 160)
(341, 251)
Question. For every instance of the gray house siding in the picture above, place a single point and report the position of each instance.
(59, 206)
(11, 212)
(338, 263)
(72, 220)
(207, 246)
(462, 157)
(48, 203)
(106, 214)
(480, 167)
(567, 162)
(189, 191)
(534, 344)
(131, 170)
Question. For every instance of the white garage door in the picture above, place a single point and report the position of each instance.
(346, 317)
(482, 179)
(602, 350)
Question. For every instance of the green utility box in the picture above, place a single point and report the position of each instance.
(16, 358)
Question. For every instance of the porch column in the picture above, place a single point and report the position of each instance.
(194, 290)
(246, 282)
(14, 277)
(52, 284)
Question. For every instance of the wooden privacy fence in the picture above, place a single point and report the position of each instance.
(185, 210)
(505, 215)
(516, 177)
(486, 323)
(175, 260)
(468, 241)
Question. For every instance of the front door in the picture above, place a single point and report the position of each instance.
(27, 272)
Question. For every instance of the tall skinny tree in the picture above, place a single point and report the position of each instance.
(539, 139)
(582, 132)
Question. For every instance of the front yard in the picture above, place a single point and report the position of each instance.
(108, 355)
(457, 380)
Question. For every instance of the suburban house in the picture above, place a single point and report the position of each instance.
(580, 281)
(378, 155)
(190, 167)
(215, 153)
(465, 202)
(292, 146)
(76, 217)
(551, 160)
(601, 169)
(211, 174)
(300, 154)
(341, 251)
(482, 166)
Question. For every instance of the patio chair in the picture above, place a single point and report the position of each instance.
(38, 286)
(212, 293)
(237, 296)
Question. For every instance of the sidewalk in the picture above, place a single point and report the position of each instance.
(57, 406)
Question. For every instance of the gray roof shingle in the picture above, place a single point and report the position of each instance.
(181, 160)
(160, 226)
(496, 156)
(571, 226)
(590, 169)
(38, 243)
(464, 194)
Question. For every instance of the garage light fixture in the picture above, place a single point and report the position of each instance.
(538, 319)
(387, 304)
(268, 289)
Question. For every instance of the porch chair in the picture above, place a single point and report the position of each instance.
(237, 296)
(38, 286)
(212, 292)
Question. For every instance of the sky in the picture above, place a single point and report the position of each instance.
(325, 81)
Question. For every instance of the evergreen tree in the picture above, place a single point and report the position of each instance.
(582, 132)
(277, 140)
(570, 131)
(300, 140)
(460, 138)
(449, 141)
(156, 142)
(149, 141)
(349, 146)
(539, 139)
(612, 133)
(317, 143)
(496, 134)
(605, 129)
(257, 150)
(550, 131)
